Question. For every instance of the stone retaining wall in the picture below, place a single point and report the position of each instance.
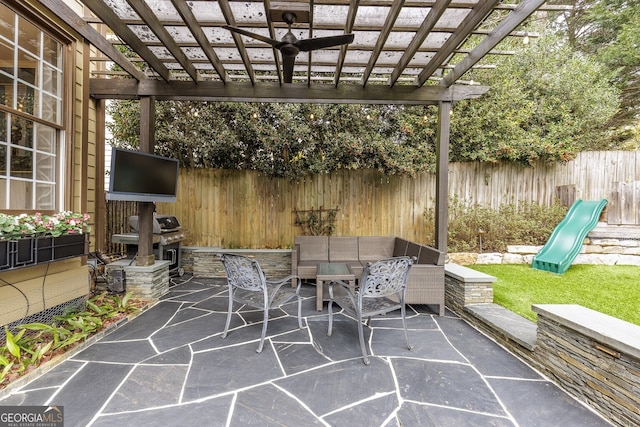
(464, 286)
(594, 251)
(594, 356)
(204, 262)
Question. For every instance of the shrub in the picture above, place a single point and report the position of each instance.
(526, 223)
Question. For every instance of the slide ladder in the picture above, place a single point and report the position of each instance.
(565, 242)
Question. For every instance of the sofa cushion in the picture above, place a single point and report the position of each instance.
(313, 248)
(413, 250)
(343, 248)
(429, 255)
(375, 248)
(400, 248)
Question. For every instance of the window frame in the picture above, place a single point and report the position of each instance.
(63, 150)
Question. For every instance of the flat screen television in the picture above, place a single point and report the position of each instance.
(142, 177)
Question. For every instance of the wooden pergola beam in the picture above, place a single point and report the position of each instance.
(274, 92)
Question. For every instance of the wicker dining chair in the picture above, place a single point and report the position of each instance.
(381, 290)
(249, 286)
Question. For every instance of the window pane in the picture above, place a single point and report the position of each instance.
(3, 194)
(51, 80)
(51, 108)
(27, 68)
(21, 193)
(26, 99)
(52, 52)
(6, 57)
(3, 127)
(3, 160)
(22, 132)
(28, 36)
(45, 167)
(21, 163)
(45, 196)
(6, 90)
(45, 138)
(7, 22)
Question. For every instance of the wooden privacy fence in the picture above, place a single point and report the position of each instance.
(245, 209)
(118, 214)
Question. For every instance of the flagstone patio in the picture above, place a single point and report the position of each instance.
(169, 366)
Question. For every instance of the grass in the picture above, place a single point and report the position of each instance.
(613, 290)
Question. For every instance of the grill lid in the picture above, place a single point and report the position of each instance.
(161, 223)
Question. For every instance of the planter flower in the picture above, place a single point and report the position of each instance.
(23, 225)
(33, 239)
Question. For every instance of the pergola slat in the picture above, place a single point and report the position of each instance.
(427, 26)
(510, 23)
(65, 13)
(108, 16)
(150, 19)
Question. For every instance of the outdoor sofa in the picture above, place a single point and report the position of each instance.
(426, 278)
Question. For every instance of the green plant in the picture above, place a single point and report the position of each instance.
(510, 224)
(320, 222)
(36, 342)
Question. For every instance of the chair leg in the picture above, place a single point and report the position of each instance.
(330, 308)
(265, 321)
(226, 326)
(404, 325)
(365, 356)
(299, 312)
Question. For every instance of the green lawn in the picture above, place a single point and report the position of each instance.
(614, 290)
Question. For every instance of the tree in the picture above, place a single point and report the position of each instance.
(546, 102)
(607, 30)
(282, 140)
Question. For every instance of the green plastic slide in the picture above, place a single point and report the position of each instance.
(565, 242)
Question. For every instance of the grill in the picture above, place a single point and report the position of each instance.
(167, 240)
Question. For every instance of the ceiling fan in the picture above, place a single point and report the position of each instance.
(290, 46)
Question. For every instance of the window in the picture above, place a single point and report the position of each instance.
(31, 89)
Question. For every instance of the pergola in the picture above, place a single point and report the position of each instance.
(411, 52)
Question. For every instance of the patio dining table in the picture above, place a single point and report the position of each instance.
(330, 272)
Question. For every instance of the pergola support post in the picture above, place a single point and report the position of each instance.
(442, 174)
(145, 209)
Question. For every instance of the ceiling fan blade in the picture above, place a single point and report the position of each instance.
(288, 61)
(323, 42)
(274, 43)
